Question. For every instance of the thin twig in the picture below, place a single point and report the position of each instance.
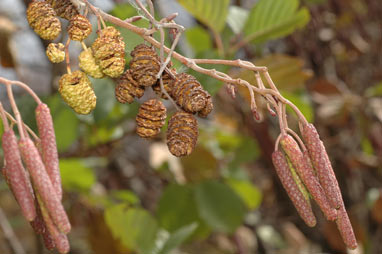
(10, 235)
(22, 85)
(15, 111)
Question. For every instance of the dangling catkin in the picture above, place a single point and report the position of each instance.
(43, 185)
(18, 179)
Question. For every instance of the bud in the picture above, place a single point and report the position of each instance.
(77, 91)
(42, 18)
(189, 93)
(79, 28)
(43, 185)
(182, 134)
(49, 146)
(127, 88)
(17, 177)
(322, 165)
(150, 118)
(303, 166)
(88, 64)
(345, 228)
(64, 8)
(145, 65)
(288, 181)
(56, 52)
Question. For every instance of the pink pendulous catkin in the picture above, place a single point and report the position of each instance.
(49, 146)
(43, 184)
(322, 165)
(59, 239)
(299, 201)
(39, 228)
(17, 176)
(345, 228)
(304, 168)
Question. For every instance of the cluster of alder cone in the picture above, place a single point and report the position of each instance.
(303, 167)
(38, 189)
(106, 57)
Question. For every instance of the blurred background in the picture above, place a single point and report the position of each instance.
(129, 195)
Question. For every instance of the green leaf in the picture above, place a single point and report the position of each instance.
(272, 19)
(76, 176)
(178, 237)
(219, 206)
(125, 196)
(212, 13)
(104, 89)
(65, 123)
(249, 193)
(199, 39)
(176, 207)
(135, 227)
(237, 18)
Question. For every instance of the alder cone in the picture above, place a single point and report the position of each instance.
(77, 91)
(17, 177)
(299, 201)
(345, 228)
(43, 185)
(79, 28)
(150, 118)
(109, 52)
(182, 134)
(208, 108)
(88, 64)
(49, 146)
(303, 166)
(64, 8)
(42, 18)
(127, 88)
(56, 52)
(189, 93)
(145, 65)
(322, 164)
(168, 83)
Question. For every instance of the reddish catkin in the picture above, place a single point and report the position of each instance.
(322, 165)
(38, 223)
(345, 228)
(17, 177)
(304, 168)
(49, 146)
(302, 205)
(43, 185)
(60, 240)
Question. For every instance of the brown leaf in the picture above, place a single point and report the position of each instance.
(6, 54)
(376, 210)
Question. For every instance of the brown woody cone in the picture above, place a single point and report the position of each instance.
(345, 228)
(150, 118)
(55, 52)
(60, 240)
(49, 146)
(42, 18)
(109, 52)
(64, 8)
(145, 65)
(208, 108)
(182, 134)
(43, 185)
(127, 88)
(322, 165)
(302, 205)
(168, 82)
(302, 164)
(189, 93)
(79, 28)
(17, 177)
